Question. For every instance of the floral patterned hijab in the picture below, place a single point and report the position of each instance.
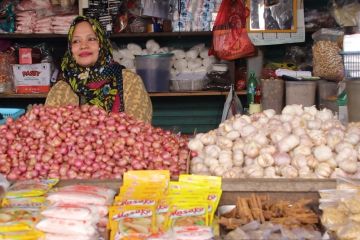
(101, 84)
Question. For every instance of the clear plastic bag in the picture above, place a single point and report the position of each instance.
(327, 61)
(232, 105)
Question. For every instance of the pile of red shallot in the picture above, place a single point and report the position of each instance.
(85, 142)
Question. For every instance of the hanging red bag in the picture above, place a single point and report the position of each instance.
(230, 39)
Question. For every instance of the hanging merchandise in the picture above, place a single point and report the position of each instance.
(230, 39)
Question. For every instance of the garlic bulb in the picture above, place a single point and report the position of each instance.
(220, 170)
(268, 149)
(197, 160)
(299, 161)
(238, 144)
(299, 131)
(288, 143)
(338, 172)
(238, 123)
(265, 160)
(225, 157)
(304, 172)
(322, 153)
(297, 122)
(224, 143)
(254, 171)
(195, 145)
(208, 138)
(277, 136)
(213, 168)
(348, 166)
(332, 163)
(286, 117)
(352, 138)
(289, 171)
(232, 135)
(199, 168)
(342, 145)
(212, 151)
(247, 130)
(314, 124)
(324, 115)
(333, 137)
(311, 161)
(346, 154)
(302, 149)
(261, 139)
(210, 161)
(251, 149)
(269, 113)
(311, 110)
(317, 137)
(235, 172)
(238, 157)
(323, 170)
(249, 161)
(270, 172)
(281, 159)
(305, 140)
(294, 109)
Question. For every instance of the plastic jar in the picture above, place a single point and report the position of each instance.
(272, 94)
(300, 92)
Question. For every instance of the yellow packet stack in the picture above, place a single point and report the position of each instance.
(141, 192)
(189, 214)
(132, 221)
(215, 191)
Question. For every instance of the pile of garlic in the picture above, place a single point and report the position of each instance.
(301, 142)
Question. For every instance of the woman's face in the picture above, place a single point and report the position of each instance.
(84, 45)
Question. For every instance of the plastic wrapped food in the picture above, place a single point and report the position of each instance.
(327, 61)
(74, 213)
(72, 227)
(31, 188)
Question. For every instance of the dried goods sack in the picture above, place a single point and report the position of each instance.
(327, 62)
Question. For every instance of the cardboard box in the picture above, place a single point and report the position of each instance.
(32, 78)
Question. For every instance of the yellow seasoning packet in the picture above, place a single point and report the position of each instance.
(30, 188)
(163, 215)
(213, 182)
(18, 219)
(131, 222)
(22, 235)
(24, 202)
(189, 214)
(146, 176)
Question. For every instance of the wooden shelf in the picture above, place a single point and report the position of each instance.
(152, 94)
(113, 36)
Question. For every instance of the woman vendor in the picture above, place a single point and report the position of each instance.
(92, 76)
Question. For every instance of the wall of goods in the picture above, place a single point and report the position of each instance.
(287, 171)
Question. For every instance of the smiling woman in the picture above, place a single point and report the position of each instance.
(91, 73)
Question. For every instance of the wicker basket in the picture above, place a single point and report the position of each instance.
(10, 112)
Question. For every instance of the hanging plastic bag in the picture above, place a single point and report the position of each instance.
(230, 39)
(232, 105)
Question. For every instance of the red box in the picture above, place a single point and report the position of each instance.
(25, 56)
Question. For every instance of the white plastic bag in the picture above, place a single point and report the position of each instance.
(232, 105)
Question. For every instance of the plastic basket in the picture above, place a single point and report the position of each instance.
(351, 62)
(10, 112)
